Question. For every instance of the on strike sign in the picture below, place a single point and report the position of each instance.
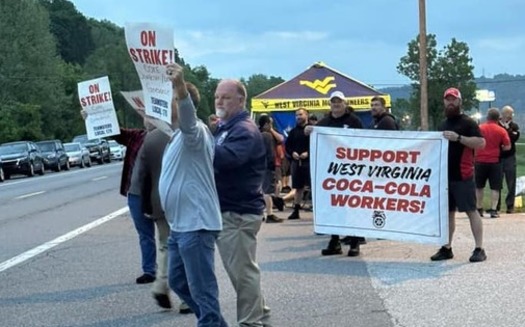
(95, 98)
(384, 184)
(151, 48)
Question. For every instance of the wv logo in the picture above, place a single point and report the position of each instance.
(323, 86)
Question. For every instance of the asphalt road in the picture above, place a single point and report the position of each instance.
(88, 280)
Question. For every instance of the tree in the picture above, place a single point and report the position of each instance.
(71, 30)
(449, 67)
(30, 79)
(258, 83)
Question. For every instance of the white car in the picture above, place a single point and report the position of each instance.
(78, 155)
(117, 151)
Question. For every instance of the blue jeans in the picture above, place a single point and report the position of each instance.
(146, 229)
(191, 274)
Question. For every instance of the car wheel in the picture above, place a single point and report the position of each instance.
(2, 176)
(58, 167)
(67, 165)
(31, 171)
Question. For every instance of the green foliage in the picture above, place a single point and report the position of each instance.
(258, 83)
(449, 67)
(47, 47)
(71, 30)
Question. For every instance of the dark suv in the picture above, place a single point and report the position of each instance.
(98, 148)
(22, 157)
(55, 157)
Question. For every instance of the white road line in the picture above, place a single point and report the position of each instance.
(99, 178)
(57, 241)
(29, 195)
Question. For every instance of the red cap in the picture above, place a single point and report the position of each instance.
(453, 92)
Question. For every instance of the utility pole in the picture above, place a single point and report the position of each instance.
(423, 65)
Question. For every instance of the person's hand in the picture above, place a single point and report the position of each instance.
(505, 124)
(295, 155)
(84, 114)
(175, 74)
(308, 130)
(451, 135)
(304, 155)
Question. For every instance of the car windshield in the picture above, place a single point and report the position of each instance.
(92, 142)
(80, 139)
(46, 147)
(12, 148)
(72, 147)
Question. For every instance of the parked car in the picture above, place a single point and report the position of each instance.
(2, 176)
(78, 155)
(98, 148)
(117, 151)
(55, 156)
(22, 157)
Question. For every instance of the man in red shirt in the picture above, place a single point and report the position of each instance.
(487, 161)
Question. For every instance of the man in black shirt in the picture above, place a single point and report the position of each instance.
(508, 158)
(297, 148)
(464, 137)
(339, 117)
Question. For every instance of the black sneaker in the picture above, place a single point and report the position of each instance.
(442, 254)
(478, 255)
(354, 250)
(510, 210)
(273, 219)
(295, 213)
(480, 211)
(494, 214)
(334, 247)
(145, 279)
(163, 300)
(184, 309)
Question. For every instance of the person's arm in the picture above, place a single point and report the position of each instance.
(473, 142)
(514, 132)
(279, 139)
(237, 148)
(268, 145)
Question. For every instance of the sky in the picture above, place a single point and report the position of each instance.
(362, 39)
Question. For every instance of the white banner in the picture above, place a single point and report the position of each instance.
(96, 99)
(151, 48)
(136, 101)
(380, 184)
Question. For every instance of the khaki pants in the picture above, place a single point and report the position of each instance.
(237, 244)
(160, 286)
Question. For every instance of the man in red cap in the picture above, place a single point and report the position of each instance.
(464, 136)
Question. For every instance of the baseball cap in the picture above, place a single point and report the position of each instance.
(453, 92)
(337, 94)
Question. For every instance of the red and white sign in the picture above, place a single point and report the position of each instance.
(151, 48)
(136, 101)
(96, 99)
(380, 184)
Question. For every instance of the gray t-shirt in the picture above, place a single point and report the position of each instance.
(187, 185)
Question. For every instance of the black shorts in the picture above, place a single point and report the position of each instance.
(461, 196)
(300, 175)
(268, 182)
(493, 172)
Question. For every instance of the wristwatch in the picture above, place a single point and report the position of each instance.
(459, 138)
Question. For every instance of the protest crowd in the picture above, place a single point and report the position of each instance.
(212, 185)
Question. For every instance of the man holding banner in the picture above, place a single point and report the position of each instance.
(339, 117)
(464, 137)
